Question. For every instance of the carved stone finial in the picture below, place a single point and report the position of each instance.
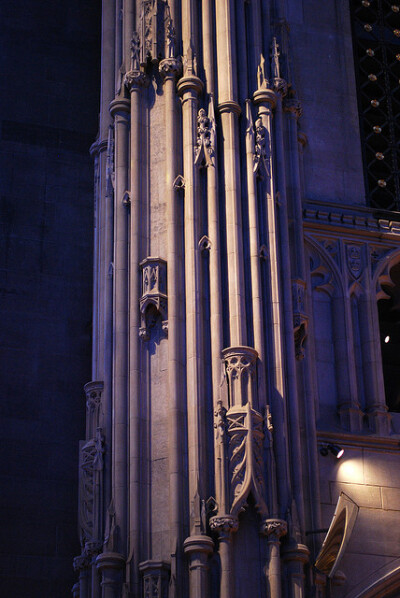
(275, 67)
(190, 63)
(170, 38)
(262, 80)
(279, 84)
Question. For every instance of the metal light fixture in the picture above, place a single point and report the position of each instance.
(336, 450)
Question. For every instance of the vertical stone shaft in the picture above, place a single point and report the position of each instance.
(266, 99)
(292, 413)
(293, 111)
(254, 234)
(378, 418)
(208, 45)
(170, 68)
(128, 23)
(189, 87)
(135, 81)
(106, 230)
(229, 110)
(120, 110)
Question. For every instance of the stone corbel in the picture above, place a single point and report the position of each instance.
(153, 301)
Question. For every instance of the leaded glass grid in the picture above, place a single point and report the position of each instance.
(376, 36)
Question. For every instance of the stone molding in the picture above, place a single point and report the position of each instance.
(198, 544)
(334, 217)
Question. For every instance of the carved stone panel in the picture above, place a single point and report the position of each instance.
(246, 435)
(90, 482)
(155, 579)
(241, 373)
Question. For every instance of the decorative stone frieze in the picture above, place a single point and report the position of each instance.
(153, 301)
(245, 431)
(155, 576)
(241, 373)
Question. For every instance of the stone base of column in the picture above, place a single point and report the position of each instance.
(379, 422)
(351, 418)
(198, 548)
(111, 566)
(295, 556)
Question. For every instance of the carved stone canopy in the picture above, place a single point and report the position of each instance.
(153, 301)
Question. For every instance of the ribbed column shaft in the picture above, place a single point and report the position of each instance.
(229, 109)
(134, 341)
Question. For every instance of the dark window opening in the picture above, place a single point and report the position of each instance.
(376, 38)
(389, 324)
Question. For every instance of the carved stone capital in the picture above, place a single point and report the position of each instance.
(135, 79)
(280, 86)
(293, 106)
(81, 562)
(224, 524)
(170, 67)
(274, 529)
